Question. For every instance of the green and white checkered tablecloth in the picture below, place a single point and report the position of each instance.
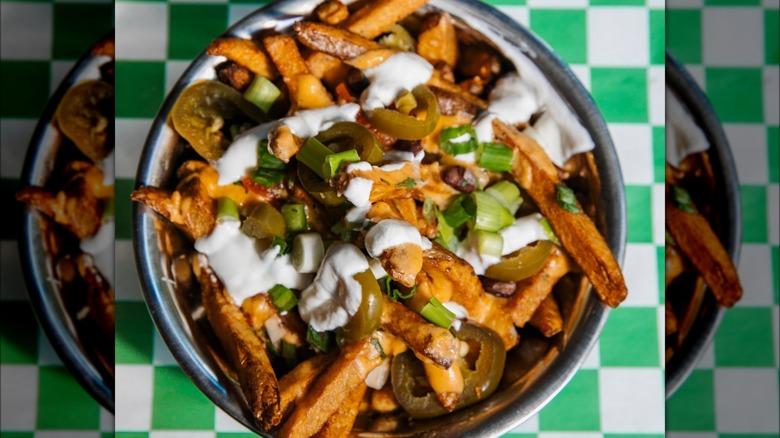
(39, 43)
(731, 49)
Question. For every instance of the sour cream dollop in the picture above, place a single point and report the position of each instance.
(683, 135)
(241, 156)
(390, 233)
(399, 73)
(308, 123)
(334, 296)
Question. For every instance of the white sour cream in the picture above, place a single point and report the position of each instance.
(309, 123)
(101, 247)
(334, 296)
(683, 135)
(398, 74)
(243, 266)
(396, 156)
(241, 157)
(358, 190)
(459, 311)
(389, 233)
(377, 378)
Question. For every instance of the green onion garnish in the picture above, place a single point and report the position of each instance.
(313, 155)
(496, 157)
(682, 199)
(488, 243)
(322, 341)
(490, 214)
(456, 214)
(333, 162)
(266, 160)
(267, 177)
(507, 194)
(284, 248)
(294, 217)
(227, 210)
(548, 231)
(394, 294)
(458, 140)
(263, 93)
(378, 346)
(289, 354)
(429, 210)
(435, 312)
(409, 183)
(566, 199)
(283, 298)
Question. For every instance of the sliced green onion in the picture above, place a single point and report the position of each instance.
(263, 93)
(333, 162)
(456, 214)
(307, 253)
(267, 177)
(490, 215)
(313, 155)
(284, 248)
(445, 234)
(548, 231)
(496, 157)
(378, 346)
(507, 194)
(227, 210)
(429, 210)
(283, 298)
(458, 140)
(322, 341)
(108, 210)
(408, 183)
(682, 199)
(289, 354)
(488, 243)
(266, 160)
(435, 312)
(294, 217)
(394, 293)
(566, 199)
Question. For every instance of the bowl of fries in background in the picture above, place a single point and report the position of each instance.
(209, 335)
(703, 223)
(66, 241)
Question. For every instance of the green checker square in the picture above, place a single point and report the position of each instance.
(683, 34)
(131, 435)
(563, 29)
(621, 93)
(744, 338)
(24, 89)
(134, 333)
(754, 214)
(7, 434)
(771, 36)
(657, 37)
(78, 26)
(661, 264)
(640, 219)
(13, 208)
(56, 384)
(124, 208)
(18, 333)
(172, 390)
(140, 88)
(736, 94)
(732, 2)
(193, 26)
(659, 154)
(776, 272)
(773, 152)
(630, 338)
(692, 407)
(576, 407)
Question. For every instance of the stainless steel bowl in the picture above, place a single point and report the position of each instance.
(45, 295)
(693, 99)
(176, 309)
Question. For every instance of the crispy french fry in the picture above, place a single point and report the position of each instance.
(534, 171)
(675, 265)
(294, 385)
(328, 393)
(427, 340)
(235, 75)
(304, 87)
(437, 81)
(340, 423)
(402, 263)
(377, 17)
(698, 242)
(283, 144)
(547, 317)
(339, 43)
(245, 53)
(532, 291)
(332, 12)
(328, 69)
(105, 47)
(383, 400)
(243, 347)
(438, 41)
(670, 319)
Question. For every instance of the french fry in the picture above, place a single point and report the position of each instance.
(547, 318)
(243, 347)
(328, 69)
(328, 393)
(305, 89)
(383, 400)
(425, 339)
(377, 17)
(294, 385)
(437, 81)
(331, 12)
(446, 384)
(670, 319)
(438, 41)
(535, 173)
(533, 290)
(674, 264)
(698, 242)
(245, 53)
(402, 262)
(340, 423)
(235, 75)
(339, 43)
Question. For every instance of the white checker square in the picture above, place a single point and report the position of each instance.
(18, 392)
(141, 31)
(631, 400)
(181, 434)
(771, 91)
(655, 4)
(684, 4)
(618, 36)
(748, 146)
(639, 270)
(557, 3)
(732, 36)
(15, 136)
(755, 273)
(736, 388)
(582, 72)
(128, 288)
(11, 273)
(658, 194)
(162, 355)
(133, 394)
(46, 353)
(771, 3)
(130, 138)
(593, 359)
(520, 14)
(58, 70)
(656, 80)
(173, 71)
(707, 358)
(106, 420)
(237, 12)
(773, 205)
(25, 30)
(660, 324)
(634, 145)
(776, 331)
(697, 73)
(225, 423)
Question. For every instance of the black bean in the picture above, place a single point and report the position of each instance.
(460, 179)
(497, 287)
